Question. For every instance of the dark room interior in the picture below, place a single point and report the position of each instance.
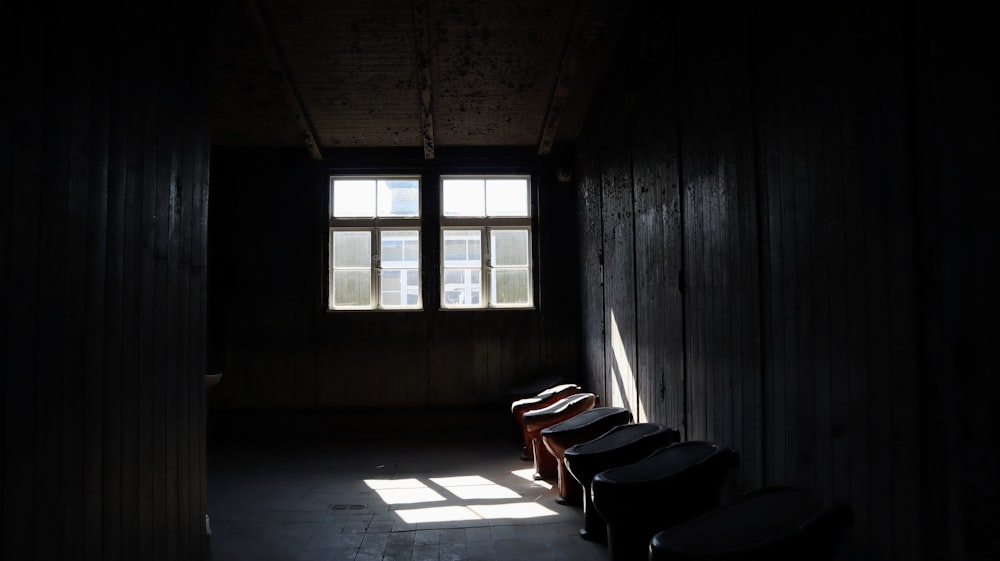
(763, 224)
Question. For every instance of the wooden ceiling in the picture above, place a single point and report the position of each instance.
(326, 74)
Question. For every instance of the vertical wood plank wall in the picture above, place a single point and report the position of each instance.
(279, 347)
(590, 226)
(619, 270)
(105, 155)
(812, 275)
(656, 167)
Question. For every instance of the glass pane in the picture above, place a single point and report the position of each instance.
(412, 287)
(462, 287)
(352, 249)
(353, 198)
(509, 247)
(399, 197)
(463, 197)
(506, 197)
(400, 288)
(352, 288)
(390, 288)
(411, 251)
(463, 248)
(400, 248)
(510, 286)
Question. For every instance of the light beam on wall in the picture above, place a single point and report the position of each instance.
(624, 387)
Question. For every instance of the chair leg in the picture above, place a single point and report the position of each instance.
(545, 462)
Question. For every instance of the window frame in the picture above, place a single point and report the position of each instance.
(487, 224)
(375, 226)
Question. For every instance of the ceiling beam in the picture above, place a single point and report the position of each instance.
(581, 35)
(421, 24)
(279, 68)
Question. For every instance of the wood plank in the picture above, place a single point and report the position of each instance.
(694, 211)
(766, 112)
(698, 257)
(95, 240)
(200, 320)
(113, 462)
(190, 370)
(20, 320)
(421, 27)
(874, 208)
(788, 377)
(149, 359)
(902, 300)
(557, 239)
(133, 290)
(801, 216)
(57, 448)
(660, 320)
(857, 372)
(8, 109)
(954, 118)
(822, 91)
(744, 258)
(719, 175)
(837, 150)
(587, 169)
(173, 111)
(790, 289)
(619, 254)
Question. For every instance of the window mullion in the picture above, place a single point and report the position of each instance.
(484, 266)
(376, 287)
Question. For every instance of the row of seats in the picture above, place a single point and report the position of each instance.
(647, 495)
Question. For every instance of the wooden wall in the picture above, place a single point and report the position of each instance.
(104, 173)
(785, 219)
(278, 346)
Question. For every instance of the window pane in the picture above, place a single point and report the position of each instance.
(510, 286)
(412, 287)
(398, 197)
(352, 249)
(352, 288)
(353, 198)
(462, 248)
(400, 248)
(400, 273)
(506, 197)
(509, 247)
(462, 287)
(400, 288)
(391, 288)
(463, 197)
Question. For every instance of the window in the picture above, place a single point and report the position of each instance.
(485, 241)
(374, 243)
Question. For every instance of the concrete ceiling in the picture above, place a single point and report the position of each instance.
(326, 74)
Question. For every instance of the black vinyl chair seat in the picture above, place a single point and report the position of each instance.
(767, 523)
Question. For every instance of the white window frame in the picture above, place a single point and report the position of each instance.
(486, 225)
(376, 226)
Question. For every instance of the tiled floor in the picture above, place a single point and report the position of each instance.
(413, 499)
